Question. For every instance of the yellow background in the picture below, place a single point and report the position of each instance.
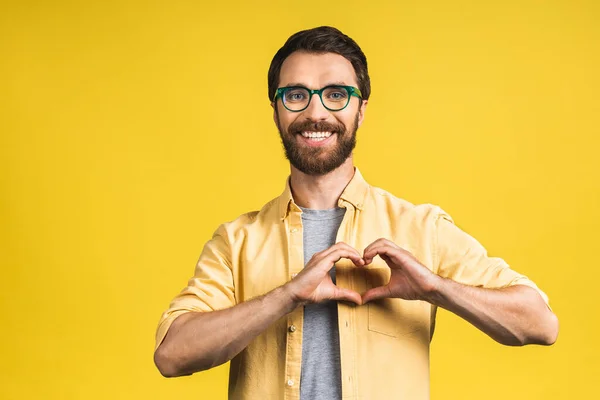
(130, 130)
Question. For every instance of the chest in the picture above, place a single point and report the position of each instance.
(270, 257)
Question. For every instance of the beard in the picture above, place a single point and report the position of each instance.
(323, 159)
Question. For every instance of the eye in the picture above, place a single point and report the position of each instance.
(295, 95)
(336, 94)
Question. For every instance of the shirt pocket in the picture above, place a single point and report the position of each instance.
(391, 316)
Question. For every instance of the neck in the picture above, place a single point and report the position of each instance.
(323, 191)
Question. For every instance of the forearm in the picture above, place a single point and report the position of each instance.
(515, 315)
(198, 341)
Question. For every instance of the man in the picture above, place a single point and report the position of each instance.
(331, 289)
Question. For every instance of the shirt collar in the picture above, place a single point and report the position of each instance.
(354, 193)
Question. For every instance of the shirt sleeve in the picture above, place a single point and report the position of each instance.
(211, 288)
(463, 259)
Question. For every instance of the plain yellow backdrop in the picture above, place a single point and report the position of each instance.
(130, 130)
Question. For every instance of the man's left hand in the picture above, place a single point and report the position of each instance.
(409, 280)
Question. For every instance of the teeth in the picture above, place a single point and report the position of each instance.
(316, 135)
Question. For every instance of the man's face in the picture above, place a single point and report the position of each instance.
(315, 156)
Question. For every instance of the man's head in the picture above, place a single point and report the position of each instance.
(314, 59)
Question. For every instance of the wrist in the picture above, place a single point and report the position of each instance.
(289, 297)
(435, 290)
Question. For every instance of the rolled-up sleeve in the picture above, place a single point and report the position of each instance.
(211, 288)
(463, 259)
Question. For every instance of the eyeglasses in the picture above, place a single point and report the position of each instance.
(333, 97)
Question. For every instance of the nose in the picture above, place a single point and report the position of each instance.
(315, 110)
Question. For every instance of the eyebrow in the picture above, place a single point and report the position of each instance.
(336, 83)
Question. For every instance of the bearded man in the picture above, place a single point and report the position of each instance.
(330, 291)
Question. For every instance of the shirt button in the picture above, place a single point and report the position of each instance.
(294, 230)
(292, 328)
(290, 382)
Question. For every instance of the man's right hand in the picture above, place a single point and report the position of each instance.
(314, 285)
(197, 341)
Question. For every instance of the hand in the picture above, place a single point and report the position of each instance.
(314, 285)
(409, 279)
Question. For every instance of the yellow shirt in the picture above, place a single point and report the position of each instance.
(384, 345)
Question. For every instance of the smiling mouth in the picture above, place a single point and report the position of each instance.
(316, 136)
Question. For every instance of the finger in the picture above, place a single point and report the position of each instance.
(347, 295)
(356, 258)
(334, 247)
(379, 292)
(396, 255)
(380, 242)
(348, 253)
(374, 244)
(325, 264)
(341, 245)
(386, 252)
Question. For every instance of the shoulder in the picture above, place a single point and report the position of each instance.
(251, 220)
(383, 200)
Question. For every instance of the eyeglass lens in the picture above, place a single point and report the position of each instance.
(334, 98)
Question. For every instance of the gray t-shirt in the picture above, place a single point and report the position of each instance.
(320, 374)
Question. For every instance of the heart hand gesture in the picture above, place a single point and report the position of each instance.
(409, 279)
(314, 285)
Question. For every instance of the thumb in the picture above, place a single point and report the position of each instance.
(347, 295)
(379, 292)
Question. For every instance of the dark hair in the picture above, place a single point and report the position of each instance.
(324, 39)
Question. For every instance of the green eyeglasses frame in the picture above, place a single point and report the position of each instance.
(352, 91)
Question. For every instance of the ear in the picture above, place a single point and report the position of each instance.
(361, 112)
(274, 106)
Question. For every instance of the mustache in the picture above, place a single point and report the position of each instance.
(321, 126)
